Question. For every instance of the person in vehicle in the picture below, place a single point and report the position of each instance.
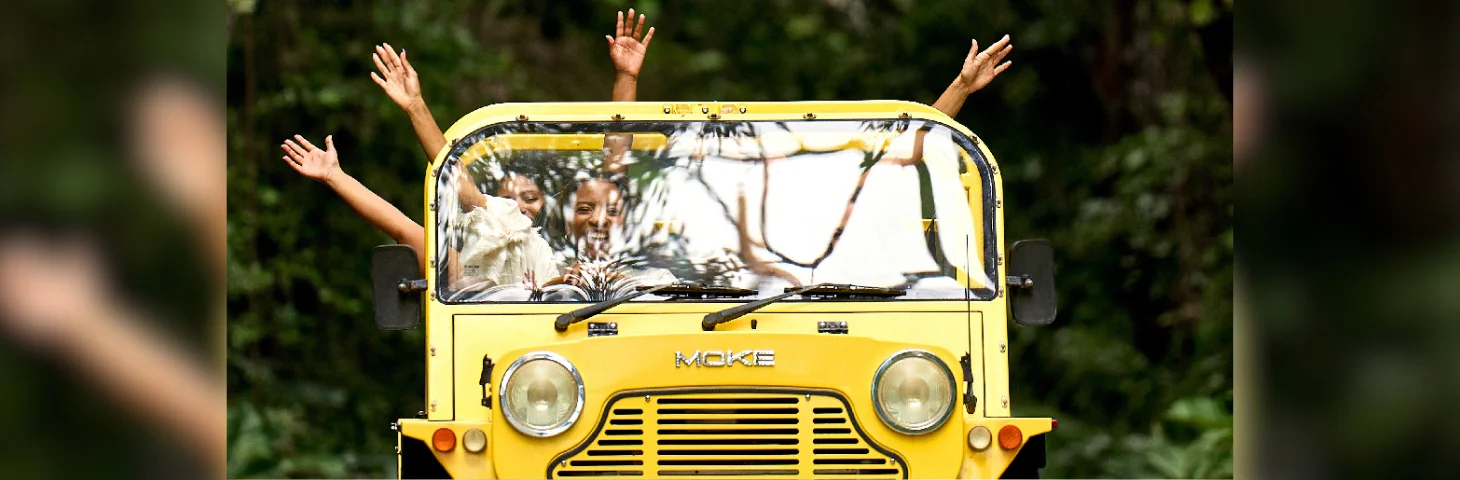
(598, 215)
(596, 230)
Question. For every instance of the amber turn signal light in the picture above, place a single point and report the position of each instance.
(1010, 437)
(444, 440)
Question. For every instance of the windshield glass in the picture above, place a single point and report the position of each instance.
(581, 212)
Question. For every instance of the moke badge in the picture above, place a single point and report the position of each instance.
(726, 358)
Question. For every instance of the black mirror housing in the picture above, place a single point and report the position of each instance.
(1032, 298)
(395, 287)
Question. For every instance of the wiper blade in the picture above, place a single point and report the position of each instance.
(696, 291)
(726, 315)
(841, 291)
(685, 290)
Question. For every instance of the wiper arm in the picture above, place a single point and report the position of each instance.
(726, 315)
(584, 313)
(818, 291)
(683, 290)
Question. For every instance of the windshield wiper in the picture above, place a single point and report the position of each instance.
(818, 291)
(841, 291)
(685, 290)
(584, 313)
(722, 316)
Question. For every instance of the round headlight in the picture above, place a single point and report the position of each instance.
(541, 394)
(913, 392)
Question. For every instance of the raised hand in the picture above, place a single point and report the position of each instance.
(628, 45)
(980, 68)
(396, 76)
(310, 161)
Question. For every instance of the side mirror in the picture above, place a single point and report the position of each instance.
(395, 288)
(1031, 282)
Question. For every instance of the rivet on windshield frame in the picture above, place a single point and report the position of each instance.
(904, 116)
(714, 116)
(742, 109)
(618, 118)
(433, 350)
(995, 168)
(704, 109)
(433, 405)
(1000, 260)
(810, 116)
(1003, 347)
(433, 296)
(666, 109)
(522, 118)
(433, 206)
(1004, 400)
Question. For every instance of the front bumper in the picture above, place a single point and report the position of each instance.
(816, 436)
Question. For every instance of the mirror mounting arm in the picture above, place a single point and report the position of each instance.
(411, 286)
(1021, 281)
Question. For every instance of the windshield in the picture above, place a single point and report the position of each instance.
(581, 212)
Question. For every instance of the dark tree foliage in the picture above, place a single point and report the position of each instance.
(1113, 129)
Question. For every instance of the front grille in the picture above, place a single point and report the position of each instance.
(728, 435)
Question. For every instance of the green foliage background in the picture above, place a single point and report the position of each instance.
(1113, 129)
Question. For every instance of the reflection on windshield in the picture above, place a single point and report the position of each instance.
(585, 212)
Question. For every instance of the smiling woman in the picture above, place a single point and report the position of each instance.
(598, 214)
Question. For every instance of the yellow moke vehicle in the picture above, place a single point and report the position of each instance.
(797, 289)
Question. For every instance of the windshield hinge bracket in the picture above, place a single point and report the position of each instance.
(835, 328)
(970, 402)
(486, 380)
(602, 329)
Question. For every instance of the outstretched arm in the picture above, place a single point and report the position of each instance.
(627, 48)
(398, 78)
(324, 166)
(979, 68)
(400, 82)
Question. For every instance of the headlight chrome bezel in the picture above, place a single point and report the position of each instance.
(507, 410)
(952, 392)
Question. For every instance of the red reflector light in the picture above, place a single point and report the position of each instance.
(444, 440)
(1054, 423)
(1010, 437)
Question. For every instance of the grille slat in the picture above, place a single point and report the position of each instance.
(730, 430)
(729, 435)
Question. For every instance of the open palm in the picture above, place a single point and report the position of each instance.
(396, 76)
(310, 161)
(629, 44)
(980, 68)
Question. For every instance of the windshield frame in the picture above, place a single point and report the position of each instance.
(449, 160)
